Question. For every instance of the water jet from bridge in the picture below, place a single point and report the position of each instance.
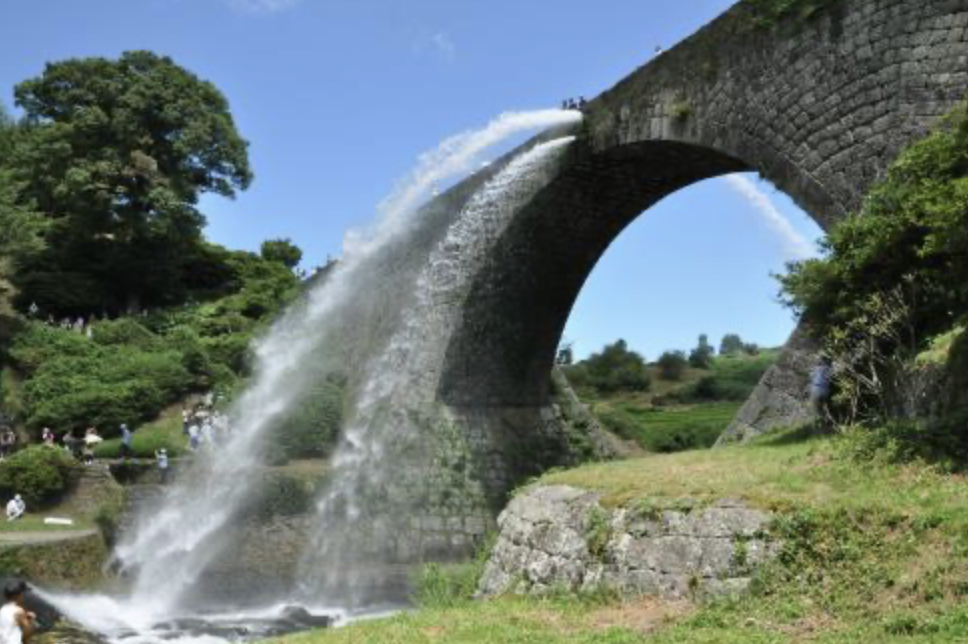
(173, 543)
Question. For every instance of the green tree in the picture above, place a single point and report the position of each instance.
(702, 356)
(731, 344)
(616, 368)
(116, 153)
(282, 251)
(672, 365)
(566, 354)
(911, 231)
(7, 134)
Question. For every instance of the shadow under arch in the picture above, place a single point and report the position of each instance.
(502, 350)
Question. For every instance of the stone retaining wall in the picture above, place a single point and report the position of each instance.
(560, 538)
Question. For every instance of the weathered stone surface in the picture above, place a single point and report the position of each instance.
(819, 107)
(781, 399)
(557, 538)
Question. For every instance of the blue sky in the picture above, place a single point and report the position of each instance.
(339, 97)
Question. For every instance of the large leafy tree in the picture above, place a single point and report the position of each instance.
(116, 153)
(21, 227)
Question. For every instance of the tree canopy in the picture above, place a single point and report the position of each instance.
(912, 230)
(115, 154)
(282, 251)
(616, 368)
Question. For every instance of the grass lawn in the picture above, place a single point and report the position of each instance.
(506, 621)
(35, 523)
(166, 432)
(872, 552)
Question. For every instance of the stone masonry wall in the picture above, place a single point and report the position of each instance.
(819, 107)
(559, 538)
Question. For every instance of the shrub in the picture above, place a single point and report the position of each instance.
(702, 356)
(40, 474)
(311, 429)
(672, 365)
(687, 436)
(616, 368)
(124, 331)
(280, 495)
(440, 586)
(282, 251)
(912, 229)
(104, 389)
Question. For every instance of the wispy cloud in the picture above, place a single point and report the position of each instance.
(262, 7)
(795, 245)
(439, 44)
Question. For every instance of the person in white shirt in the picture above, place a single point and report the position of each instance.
(162, 458)
(15, 509)
(17, 624)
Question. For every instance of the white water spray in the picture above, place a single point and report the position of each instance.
(362, 519)
(173, 544)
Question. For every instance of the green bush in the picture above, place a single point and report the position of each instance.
(311, 429)
(164, 434)
(133, 368)
(107, 387)
(441, 586)
(124, 331)
(672, 365)
(40, 474)
(942, 442)
(912, 229)
(280, 495)
(616, 368)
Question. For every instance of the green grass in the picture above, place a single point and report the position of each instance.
(682, 414)
(872, 552)
(507, 621)
(674, 429)
(775, 473)
(166, 432)
(35, 523)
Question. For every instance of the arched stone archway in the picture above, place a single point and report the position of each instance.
(819, 107)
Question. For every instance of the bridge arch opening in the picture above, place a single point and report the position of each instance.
(502, 351)
(700, 262)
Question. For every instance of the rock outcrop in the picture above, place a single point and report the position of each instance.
(560, 538)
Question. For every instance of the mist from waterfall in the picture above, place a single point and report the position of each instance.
(174, 542)
(361, 518)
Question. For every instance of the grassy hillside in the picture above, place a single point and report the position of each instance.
(689, 413)
(872, 552)
(129, 369)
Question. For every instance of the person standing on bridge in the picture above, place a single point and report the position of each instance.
(17, 624)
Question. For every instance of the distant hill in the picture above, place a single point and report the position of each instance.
(676, 415)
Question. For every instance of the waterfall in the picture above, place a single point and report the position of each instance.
(360, 519)
(173, 543)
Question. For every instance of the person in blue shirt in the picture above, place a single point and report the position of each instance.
(820, 388)
(127, 442)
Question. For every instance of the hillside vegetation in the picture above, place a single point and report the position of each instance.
(669, 414)
(114, 308)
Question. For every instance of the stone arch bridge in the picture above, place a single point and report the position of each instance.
(818, 104)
